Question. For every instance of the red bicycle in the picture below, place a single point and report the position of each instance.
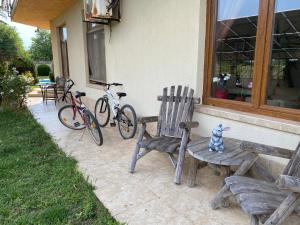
(76, 116)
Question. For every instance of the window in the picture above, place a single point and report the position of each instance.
(63, 37)
(96, 52)
(252, 58)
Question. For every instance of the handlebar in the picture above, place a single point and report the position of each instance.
(71, 83)
(68, 85)
(109, 84)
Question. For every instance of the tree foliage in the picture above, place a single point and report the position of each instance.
(41, 49)
(11, 45)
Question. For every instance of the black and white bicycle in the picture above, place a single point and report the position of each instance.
(124, 115)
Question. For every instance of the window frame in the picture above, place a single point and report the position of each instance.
(263, 50)
(64, 44)
(91, 30)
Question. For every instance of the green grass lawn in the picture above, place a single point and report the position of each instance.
(38, 183)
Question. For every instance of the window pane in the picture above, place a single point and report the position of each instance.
(63, 33)
(96, 54)
(235, 38)
(283, 88)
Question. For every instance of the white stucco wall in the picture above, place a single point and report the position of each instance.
(157, 44)
(146, 51)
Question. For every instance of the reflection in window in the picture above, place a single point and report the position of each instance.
(283, 88)
(235, 38)
(96, 52)
(63, 35)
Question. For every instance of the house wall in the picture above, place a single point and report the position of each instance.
(147, 51)
(157, 44)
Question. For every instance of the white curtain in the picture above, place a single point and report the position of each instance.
(96, 55)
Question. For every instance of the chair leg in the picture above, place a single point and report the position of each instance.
(181, 156)
(46, 95)
(137, 149)
(134, 158)
(254, 220)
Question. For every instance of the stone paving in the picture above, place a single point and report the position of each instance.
(148, 196)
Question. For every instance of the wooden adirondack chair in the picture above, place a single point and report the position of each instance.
(173, 128)
(271, 203)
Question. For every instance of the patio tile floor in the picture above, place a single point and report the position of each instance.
(148, 196)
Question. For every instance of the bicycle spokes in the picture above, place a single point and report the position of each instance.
(103, 107)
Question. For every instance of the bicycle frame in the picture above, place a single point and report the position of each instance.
(79, 107)
(113, 102)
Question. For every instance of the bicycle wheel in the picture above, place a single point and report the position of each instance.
(70, 117)
(102, 111)
(127, 121)
(94, 128)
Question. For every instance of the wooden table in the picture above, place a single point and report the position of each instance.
(233, 156)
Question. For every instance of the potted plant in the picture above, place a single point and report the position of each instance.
(221, 80)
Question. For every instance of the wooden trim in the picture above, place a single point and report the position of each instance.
(209, 39)
(64, 44)
(283, 113)
(259, 52)
(262, 59)
(268, 51)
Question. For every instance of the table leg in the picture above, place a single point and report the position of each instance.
(192, 171)
(42, 92)
(219, 200)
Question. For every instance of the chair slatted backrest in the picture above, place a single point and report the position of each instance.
(175, 108)
(293, 167)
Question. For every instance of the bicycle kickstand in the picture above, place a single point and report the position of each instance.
(81, 137)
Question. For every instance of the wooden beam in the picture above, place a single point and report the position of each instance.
(266, 150)
(284, 210)
(289, 182)
(195, 100)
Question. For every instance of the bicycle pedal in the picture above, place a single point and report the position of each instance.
(77, 124)
(112, 124)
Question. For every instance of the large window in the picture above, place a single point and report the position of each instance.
(253, 56)
(96, 52)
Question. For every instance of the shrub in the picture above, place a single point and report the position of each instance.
(14, 87)
(43, 70)
(24, 65)
(51, 77)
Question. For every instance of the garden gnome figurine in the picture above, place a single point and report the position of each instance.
(216, 141)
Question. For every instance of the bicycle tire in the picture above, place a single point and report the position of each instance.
(99, 113)
(133, 122)
(96, 127)
(78, 124)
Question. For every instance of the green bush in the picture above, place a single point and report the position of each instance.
(51, 77)
(14, 87)
(43, 70)
(24, 65)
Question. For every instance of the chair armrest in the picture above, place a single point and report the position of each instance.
(188, 125)
(289, 183)
(148, 119)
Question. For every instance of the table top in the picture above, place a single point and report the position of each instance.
(233, 155)
(46, 83)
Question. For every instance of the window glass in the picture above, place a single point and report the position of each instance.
(235, 39)
(96, 52)
(283, 87)
(63, 33)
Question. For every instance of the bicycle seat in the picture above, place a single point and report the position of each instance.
(79, 94)
(121, 94)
